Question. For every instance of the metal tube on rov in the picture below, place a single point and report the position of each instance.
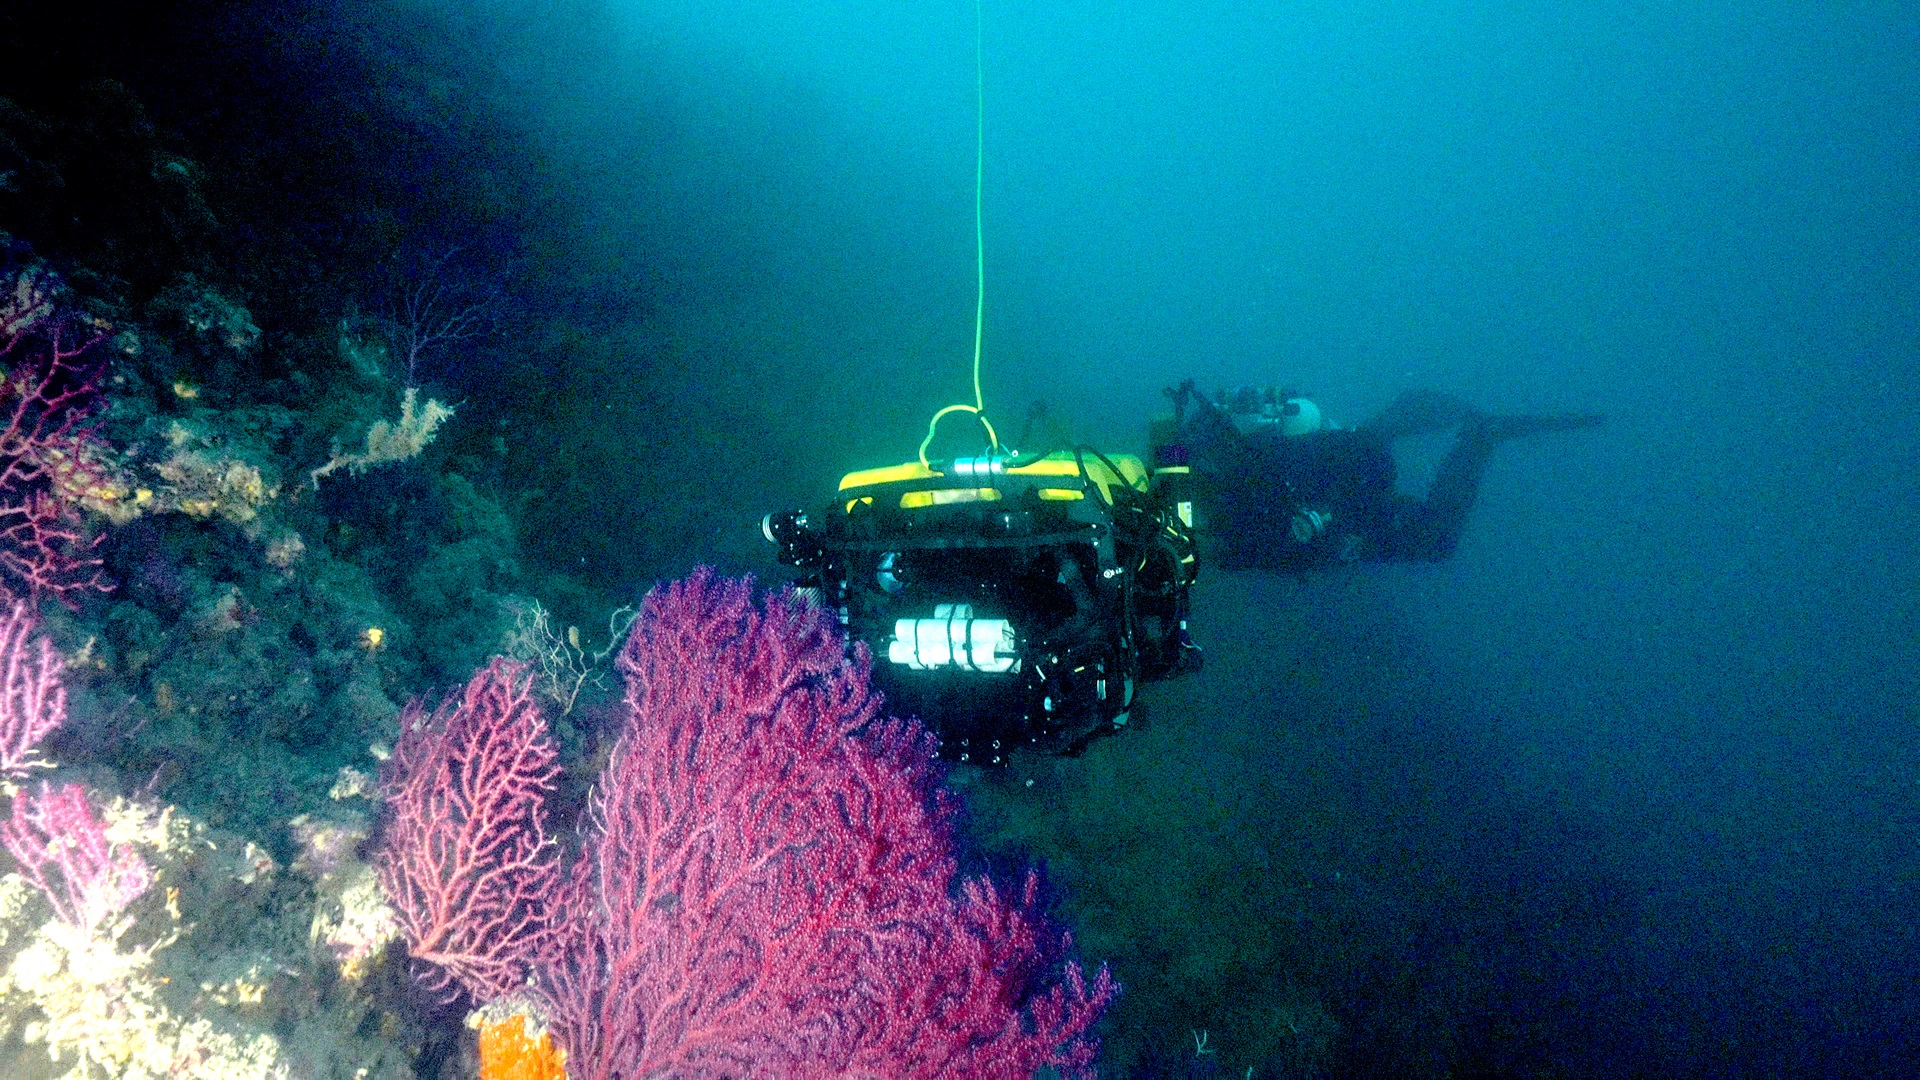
(954, 639)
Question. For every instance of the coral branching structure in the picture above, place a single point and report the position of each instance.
(33, 700)
(469, 865)
(50, 457)
(768, 880)
(63, 851)
(390, 441)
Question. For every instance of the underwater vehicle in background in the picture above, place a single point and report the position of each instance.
(1009, 603)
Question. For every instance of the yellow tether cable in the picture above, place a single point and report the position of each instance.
(978, 408)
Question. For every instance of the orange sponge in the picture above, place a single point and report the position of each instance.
(510, 1051)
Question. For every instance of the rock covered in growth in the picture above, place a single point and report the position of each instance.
(352, 921)
(208, 975)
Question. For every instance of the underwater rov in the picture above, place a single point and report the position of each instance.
(1008, 603)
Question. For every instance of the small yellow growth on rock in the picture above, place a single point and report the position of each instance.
(511, 1049)
(86, 473)
(372, 638)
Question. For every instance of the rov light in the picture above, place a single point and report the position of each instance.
(954, 640)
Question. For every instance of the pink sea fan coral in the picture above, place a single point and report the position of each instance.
(467, 861)
(768, 880)
(51, 460)
(32, 700)
(64, 852)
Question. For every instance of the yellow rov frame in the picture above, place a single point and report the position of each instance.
(1056, 477)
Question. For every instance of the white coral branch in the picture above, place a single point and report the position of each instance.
(389, 442)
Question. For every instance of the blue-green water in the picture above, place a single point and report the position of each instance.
(1630, 786)
(1626, 788)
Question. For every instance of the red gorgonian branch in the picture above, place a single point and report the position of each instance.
(767, 885)
(61, 847)
(467, 861)
(50, 369)
(64, 852)
(33, 701)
